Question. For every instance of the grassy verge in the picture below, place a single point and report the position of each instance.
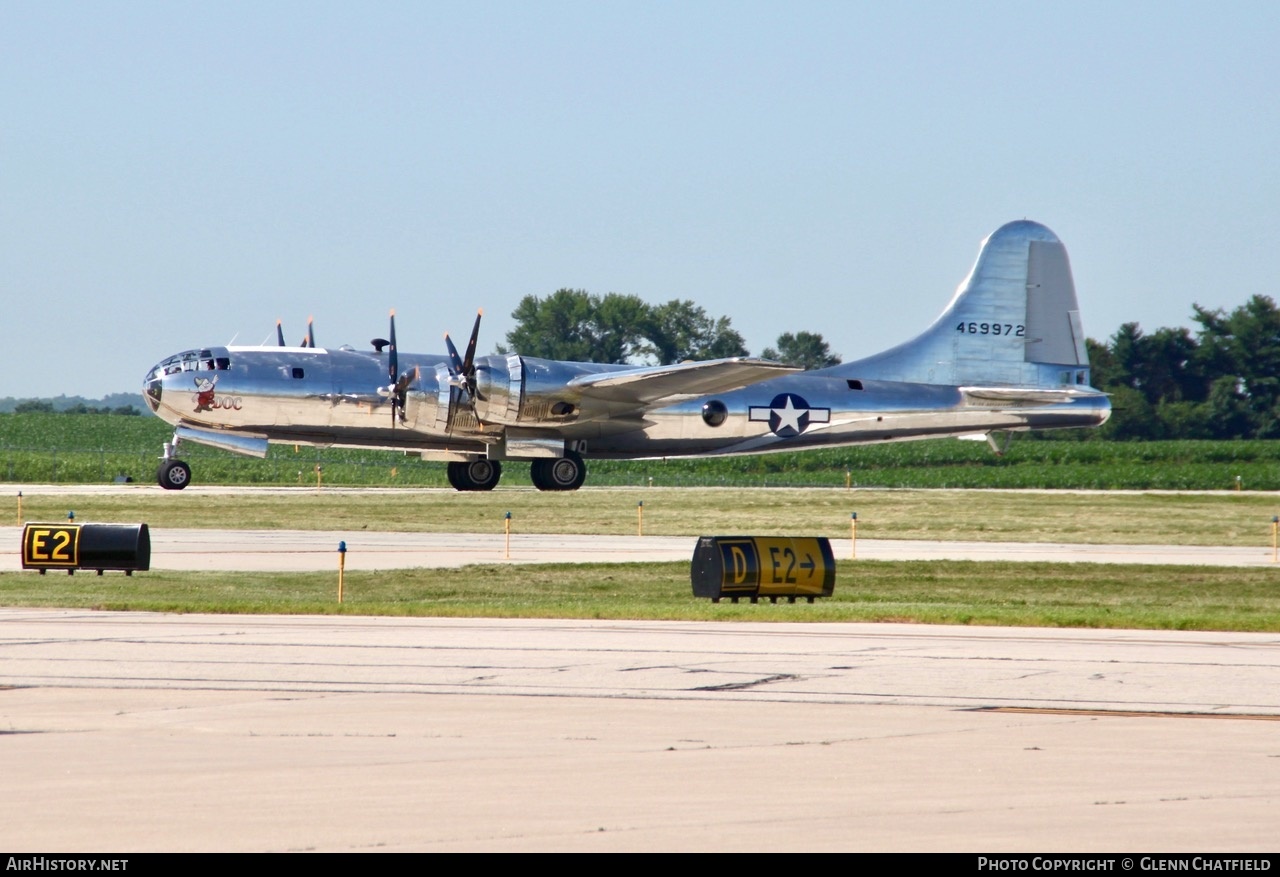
(1231, 518)
(940, 592)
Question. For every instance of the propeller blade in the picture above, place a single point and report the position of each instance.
(469, 362)
(311, 334)
(405, 380)
(393, 363)
(454, 359)
(399, 386)
(462, 371)
(279, 334)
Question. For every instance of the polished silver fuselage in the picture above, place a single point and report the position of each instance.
(527, 408)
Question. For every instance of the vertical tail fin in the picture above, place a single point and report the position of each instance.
(1014, 321)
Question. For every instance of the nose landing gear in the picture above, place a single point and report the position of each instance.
(173, 474)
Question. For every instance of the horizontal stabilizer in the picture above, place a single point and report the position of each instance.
(1027, 394)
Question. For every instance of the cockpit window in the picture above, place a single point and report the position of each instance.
(194, 360)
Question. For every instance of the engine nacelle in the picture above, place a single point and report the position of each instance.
(517, 390)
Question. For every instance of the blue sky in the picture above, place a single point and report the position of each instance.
(181, 174)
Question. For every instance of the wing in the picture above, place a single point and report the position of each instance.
(644, 387)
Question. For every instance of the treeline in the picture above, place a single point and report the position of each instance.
(575, 325)
(129, 404)
(1220, 381)
(44, 406)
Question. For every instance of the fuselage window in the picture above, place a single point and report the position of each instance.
(854, 385)
(297, 372)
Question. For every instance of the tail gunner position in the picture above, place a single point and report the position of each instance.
(1007, 354)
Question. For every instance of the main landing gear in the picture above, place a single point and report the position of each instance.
(474, 474)
(564, 473)
(173, 474)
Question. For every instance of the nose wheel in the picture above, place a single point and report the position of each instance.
(173, 474)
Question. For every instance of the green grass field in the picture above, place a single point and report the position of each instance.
(941, 592)
(62, 448)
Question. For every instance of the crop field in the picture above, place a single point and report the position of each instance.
(61, 448)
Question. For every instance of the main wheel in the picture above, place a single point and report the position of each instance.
(457, 475)
(566, 473)
(173, 475)
(538, 474)
(483, 474)
(474, 474)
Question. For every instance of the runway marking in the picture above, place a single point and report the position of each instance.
(1123, 714)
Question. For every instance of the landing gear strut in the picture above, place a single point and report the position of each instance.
(474, 474)
(173, 474)
(565, 473)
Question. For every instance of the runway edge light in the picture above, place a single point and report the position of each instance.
(342, 566)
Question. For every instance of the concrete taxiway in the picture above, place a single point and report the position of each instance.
(132, 731)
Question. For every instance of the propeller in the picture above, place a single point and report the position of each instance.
(279, 334)
(398, 387)
(462, 370)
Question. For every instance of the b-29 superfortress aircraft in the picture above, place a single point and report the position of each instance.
(1006, 355)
